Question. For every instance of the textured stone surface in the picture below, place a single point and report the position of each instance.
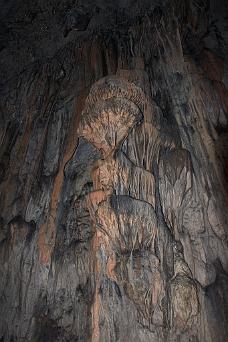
(113, 171)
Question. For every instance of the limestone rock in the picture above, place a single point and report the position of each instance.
(113, 171)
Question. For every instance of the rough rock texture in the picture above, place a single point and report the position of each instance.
(113, 171)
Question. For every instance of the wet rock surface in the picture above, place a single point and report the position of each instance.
(113, 171)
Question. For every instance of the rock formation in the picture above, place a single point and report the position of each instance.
(113, 171)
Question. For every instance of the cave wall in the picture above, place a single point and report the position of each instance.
(113, 178)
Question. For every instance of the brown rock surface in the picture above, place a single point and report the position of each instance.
(113, 171)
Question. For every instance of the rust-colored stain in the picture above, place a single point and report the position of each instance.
(44, 251)
(95, 317)
(47, 233)
(94, 199)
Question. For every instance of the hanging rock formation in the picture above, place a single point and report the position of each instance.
(113, 171)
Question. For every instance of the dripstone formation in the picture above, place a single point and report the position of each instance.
(113, 171)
